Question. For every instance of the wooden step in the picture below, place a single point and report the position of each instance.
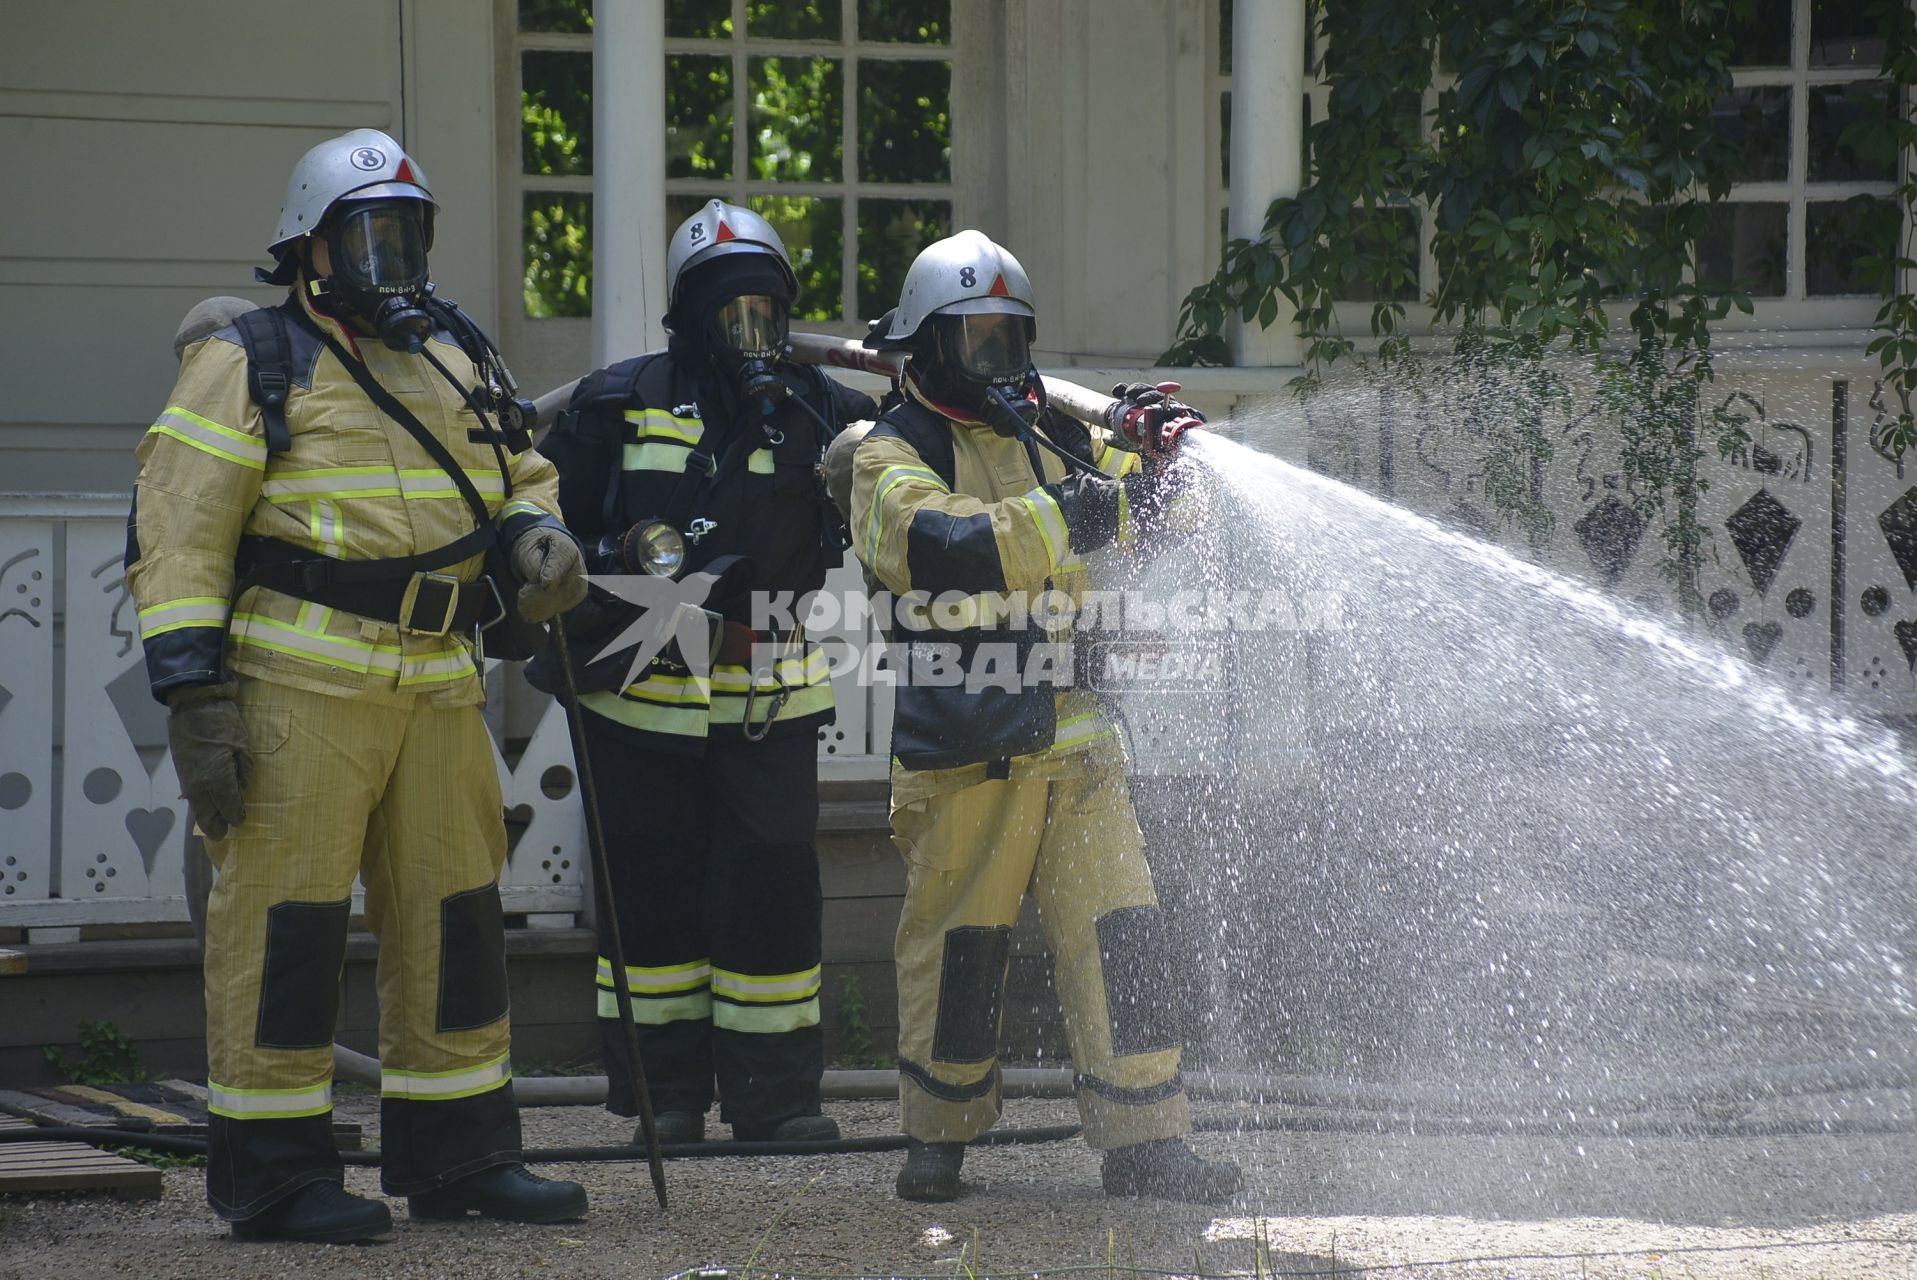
(29, 1167)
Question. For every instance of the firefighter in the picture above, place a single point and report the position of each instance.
(1004, 782)
(702, 462)
(307, 574)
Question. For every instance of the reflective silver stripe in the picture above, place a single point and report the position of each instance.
(661, 980)
(209, 436)
(445, 1085)
(1051, 526)
(268, 1104)
(189, 611)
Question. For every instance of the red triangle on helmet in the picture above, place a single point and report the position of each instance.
(725, 233)
(998, 289)
(405, 173)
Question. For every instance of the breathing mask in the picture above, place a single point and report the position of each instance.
(748, 338)
(978, 354)
(378, 251)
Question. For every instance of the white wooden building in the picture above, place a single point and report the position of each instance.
(144, 149)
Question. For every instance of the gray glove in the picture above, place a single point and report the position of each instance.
(548, 562)
(210, 755)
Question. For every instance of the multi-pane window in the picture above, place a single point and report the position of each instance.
(832, 118)
(1811, 214)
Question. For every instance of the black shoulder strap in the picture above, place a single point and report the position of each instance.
(269, 370)
(389, 405)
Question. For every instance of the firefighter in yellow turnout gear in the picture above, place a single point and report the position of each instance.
(308, 581)
(1000, 791)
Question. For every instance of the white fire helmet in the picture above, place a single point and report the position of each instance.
(363, 164)
(963, 274)
(719, 229)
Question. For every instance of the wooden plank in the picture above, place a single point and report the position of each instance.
(70, 1166)
(162, 1121)
(49, 1111)
(12, 962)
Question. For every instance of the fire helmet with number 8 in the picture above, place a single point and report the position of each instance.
(967, 315)
(730, 290)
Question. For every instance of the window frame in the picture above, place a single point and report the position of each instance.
(1804, 315)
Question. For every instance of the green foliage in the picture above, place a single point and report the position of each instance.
(160, 1159)
(1896, 345)
(855, 1038)
(558, 229)
(107, 1056)
(1568, 172)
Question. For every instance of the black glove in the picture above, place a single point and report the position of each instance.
(1148, 420)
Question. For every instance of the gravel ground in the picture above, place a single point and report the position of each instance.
(1324, 1204)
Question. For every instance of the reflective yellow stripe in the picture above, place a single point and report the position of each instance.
(520, 507)
(760, 462)
(313, 618)
(765, 1020)
(335, 651)
(662, 980)
(654, 456)
(796, 673)
(374, 482)
(730, 708)
(187, 611)
(657, 424)
(890, 479)
(444, 1086)
(433, 668)
(1051, 525)
(1080, 728)
(268, 1104)
(1124, 515)
(775, 988)
(208, 436)
(657, 1012)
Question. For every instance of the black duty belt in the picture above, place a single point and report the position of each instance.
(406, 591)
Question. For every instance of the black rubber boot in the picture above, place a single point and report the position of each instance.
(931, 1171)
(791, 1129)
(675, 1128)
(509, 1192)
(321, 1213)
(1168, 1169)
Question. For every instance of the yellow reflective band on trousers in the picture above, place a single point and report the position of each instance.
(188, 611)
(443, 1086)
(662, 994)
(268, 1104)
(210, 437)
(776, 988)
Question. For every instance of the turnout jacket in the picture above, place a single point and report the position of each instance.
(352, 485)
(942, 504)
(658, 437)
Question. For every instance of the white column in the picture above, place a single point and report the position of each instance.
(1267, 131)
(629, 169)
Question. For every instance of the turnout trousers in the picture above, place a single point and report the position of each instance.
(971, 856)
(406, 796)
(715, 883)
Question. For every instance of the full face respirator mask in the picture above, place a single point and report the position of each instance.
(378, 257)
(982, 360)
(749, 335)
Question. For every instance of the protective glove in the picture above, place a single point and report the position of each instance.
(548, 562)
(210, 754)
(1148, 420)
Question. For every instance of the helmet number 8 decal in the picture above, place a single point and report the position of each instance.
(968, 277)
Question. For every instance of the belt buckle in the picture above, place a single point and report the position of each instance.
(426, 583)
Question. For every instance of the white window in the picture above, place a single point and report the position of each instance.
(1812, 214)
(832, 118)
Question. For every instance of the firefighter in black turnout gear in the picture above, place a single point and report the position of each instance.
(701, 465)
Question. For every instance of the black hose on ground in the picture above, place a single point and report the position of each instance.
(1628, 1127)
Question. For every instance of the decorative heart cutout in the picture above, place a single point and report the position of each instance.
(518, 819)
(1907, 639)
(149, 828)
(1760, 638)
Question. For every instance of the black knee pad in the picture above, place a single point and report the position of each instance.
(971, 993)
(299, 982)
(472, 959)
(1139, 993)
